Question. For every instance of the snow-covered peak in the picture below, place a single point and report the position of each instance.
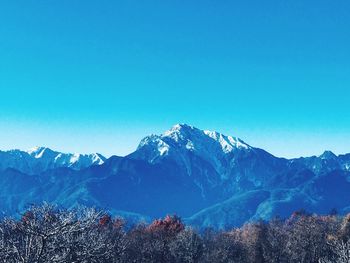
(153, 147)
(180, 132)
(38, 151)
(78, 159)
(179, 128)
(183, 138)
(98, 158)
(193, 136)
(39, 159)
(228, 143)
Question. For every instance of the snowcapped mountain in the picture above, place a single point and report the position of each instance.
(210, 158)
(207, 156)
(208, 178)
(182, 142)
(40, 159)
(182, 137)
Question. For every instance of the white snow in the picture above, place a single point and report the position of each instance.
(195, 139)
(39, 159)
(163, 148)
(74, 158)
(189, 145)
(36, 152)
(96, 158)
(228, 143)
(182, 139)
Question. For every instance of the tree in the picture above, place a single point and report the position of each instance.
(44, 233)
(340, 252)
(187, 247)
(224, 248)
(274, 247)
(307, 237)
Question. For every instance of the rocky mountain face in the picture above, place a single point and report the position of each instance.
(207, 178)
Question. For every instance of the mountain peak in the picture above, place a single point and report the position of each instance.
(328, 155)
(181, 132)
(38, 151)
(182, 138)
(39, 159)
(35, 149)
(191, 134)
(180, 126)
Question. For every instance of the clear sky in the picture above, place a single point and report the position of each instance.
(86, 76)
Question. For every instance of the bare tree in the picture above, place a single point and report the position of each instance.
(187, 247)
(307, 238)
(274, 247)
(43, 233)
(340, 252)
(84, 235)
(224, 248)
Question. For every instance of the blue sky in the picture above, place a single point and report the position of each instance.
(86, 76)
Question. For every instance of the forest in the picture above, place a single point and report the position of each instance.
(47, 233)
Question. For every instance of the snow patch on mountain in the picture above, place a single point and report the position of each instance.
(37, 152)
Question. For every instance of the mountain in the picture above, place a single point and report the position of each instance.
(40, 159)
(207, 178)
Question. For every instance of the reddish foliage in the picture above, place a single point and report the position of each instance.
(108, 221)
(105, 220)
(170, 224)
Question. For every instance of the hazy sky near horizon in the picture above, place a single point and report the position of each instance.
(97, 76)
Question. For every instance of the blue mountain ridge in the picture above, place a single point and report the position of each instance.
(207, 178)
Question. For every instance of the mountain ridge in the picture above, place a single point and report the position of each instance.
(203, 176)
(39, 159)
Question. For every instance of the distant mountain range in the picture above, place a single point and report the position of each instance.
(207, 178)
(40, 159)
